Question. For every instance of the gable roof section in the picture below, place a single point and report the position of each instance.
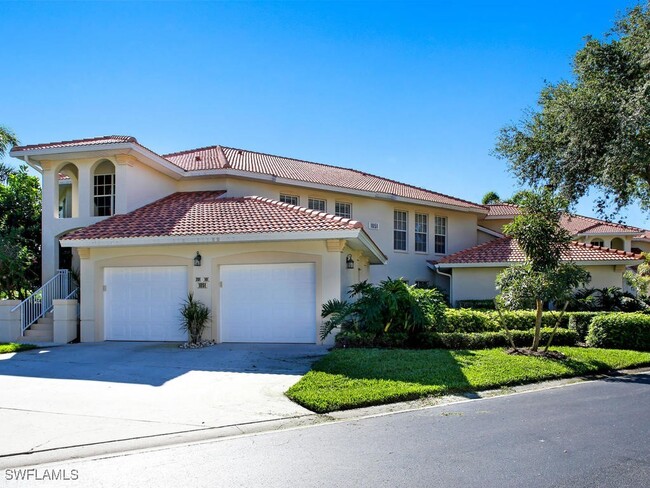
(205, 213)
(506, 251)
(92, 141)
(502, 210)
(576, 224)
(222, 158)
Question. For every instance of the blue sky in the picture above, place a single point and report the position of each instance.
(411, 91)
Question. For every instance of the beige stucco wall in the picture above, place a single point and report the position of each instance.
(331, 275)
(412, 266)
(479, 283)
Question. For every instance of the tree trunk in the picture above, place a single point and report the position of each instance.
(557, 324)
(503, 324)
(538, 324)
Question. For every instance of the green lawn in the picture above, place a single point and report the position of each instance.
(6, 347)
(351, 378)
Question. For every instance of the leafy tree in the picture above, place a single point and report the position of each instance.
(543, 277)
(491, 197)
(7, 138)
(20, 226)
(593, 131)
(640, 280)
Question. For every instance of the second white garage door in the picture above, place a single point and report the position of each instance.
(268, 303)
(142, 303)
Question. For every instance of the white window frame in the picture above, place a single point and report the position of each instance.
(437, 234)
(322, 204)
(597, 239)
(110, 195)
(421, 232)
(337, 210)
(286, 196)
(403, 231)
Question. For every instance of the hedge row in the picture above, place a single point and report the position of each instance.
(468, 320)
(453, 340)
(620, 331)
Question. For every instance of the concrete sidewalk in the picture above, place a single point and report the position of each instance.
(95, 393)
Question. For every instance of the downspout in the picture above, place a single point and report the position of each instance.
(451, 288)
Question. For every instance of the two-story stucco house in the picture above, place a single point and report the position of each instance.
(263, 240)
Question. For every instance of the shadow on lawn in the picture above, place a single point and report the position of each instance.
(432, 367)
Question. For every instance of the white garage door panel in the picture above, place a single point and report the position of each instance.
(268, 303)
(142, 303)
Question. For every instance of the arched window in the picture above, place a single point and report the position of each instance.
(67, 178)
(618, 243)
(104, 189)
(598, 242)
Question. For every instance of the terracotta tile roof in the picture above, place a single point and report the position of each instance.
(576, 224)
(219, 157)
(92, 141)
(496, 210)
(206, 213)
(506, 250)
(642, 237)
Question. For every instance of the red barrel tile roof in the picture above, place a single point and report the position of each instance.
(207, 213)
(220, 157)
(576, 224)
(506, 250)
(92, 141)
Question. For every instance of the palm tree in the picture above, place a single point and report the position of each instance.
(7, 139)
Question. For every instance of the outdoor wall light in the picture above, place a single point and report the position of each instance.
(349, 262)
(197, 259)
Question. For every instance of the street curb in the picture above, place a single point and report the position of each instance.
(119, 447)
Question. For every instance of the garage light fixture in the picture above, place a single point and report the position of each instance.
(349, 262)
(197, 259)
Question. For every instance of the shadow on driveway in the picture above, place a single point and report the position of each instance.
(155, 363)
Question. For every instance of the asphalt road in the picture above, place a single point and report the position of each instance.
(594, 434)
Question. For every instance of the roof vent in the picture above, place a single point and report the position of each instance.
(197, 158)
(240, 152)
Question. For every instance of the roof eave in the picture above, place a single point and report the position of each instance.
(318, 186)
(358, 235)
(95, 150)
(504, 264)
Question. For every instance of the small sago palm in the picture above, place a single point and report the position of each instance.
(195, 316)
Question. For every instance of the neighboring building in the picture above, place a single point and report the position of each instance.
(605, 249)
(263, 240)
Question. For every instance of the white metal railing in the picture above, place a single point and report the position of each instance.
(41, 301)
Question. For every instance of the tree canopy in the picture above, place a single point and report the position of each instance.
(593, 131)
(20, 226)
(543, 277)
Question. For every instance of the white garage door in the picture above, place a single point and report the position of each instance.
(268, 303)
(142, 303)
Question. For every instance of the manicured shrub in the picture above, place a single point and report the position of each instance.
(452, 340)
(467, 320)
(620, 331)
(476, 304)
(579, 322)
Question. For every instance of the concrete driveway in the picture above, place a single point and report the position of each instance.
(82, 394)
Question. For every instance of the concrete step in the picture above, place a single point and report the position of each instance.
(47, 326)
(38, 335)
(48, 319)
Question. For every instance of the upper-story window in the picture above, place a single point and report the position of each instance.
(400, 228)
(317, 204)
(290, 199)
(104, 189)
(598, 242)
(441, 235)
(421, 232)
(342, 209)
